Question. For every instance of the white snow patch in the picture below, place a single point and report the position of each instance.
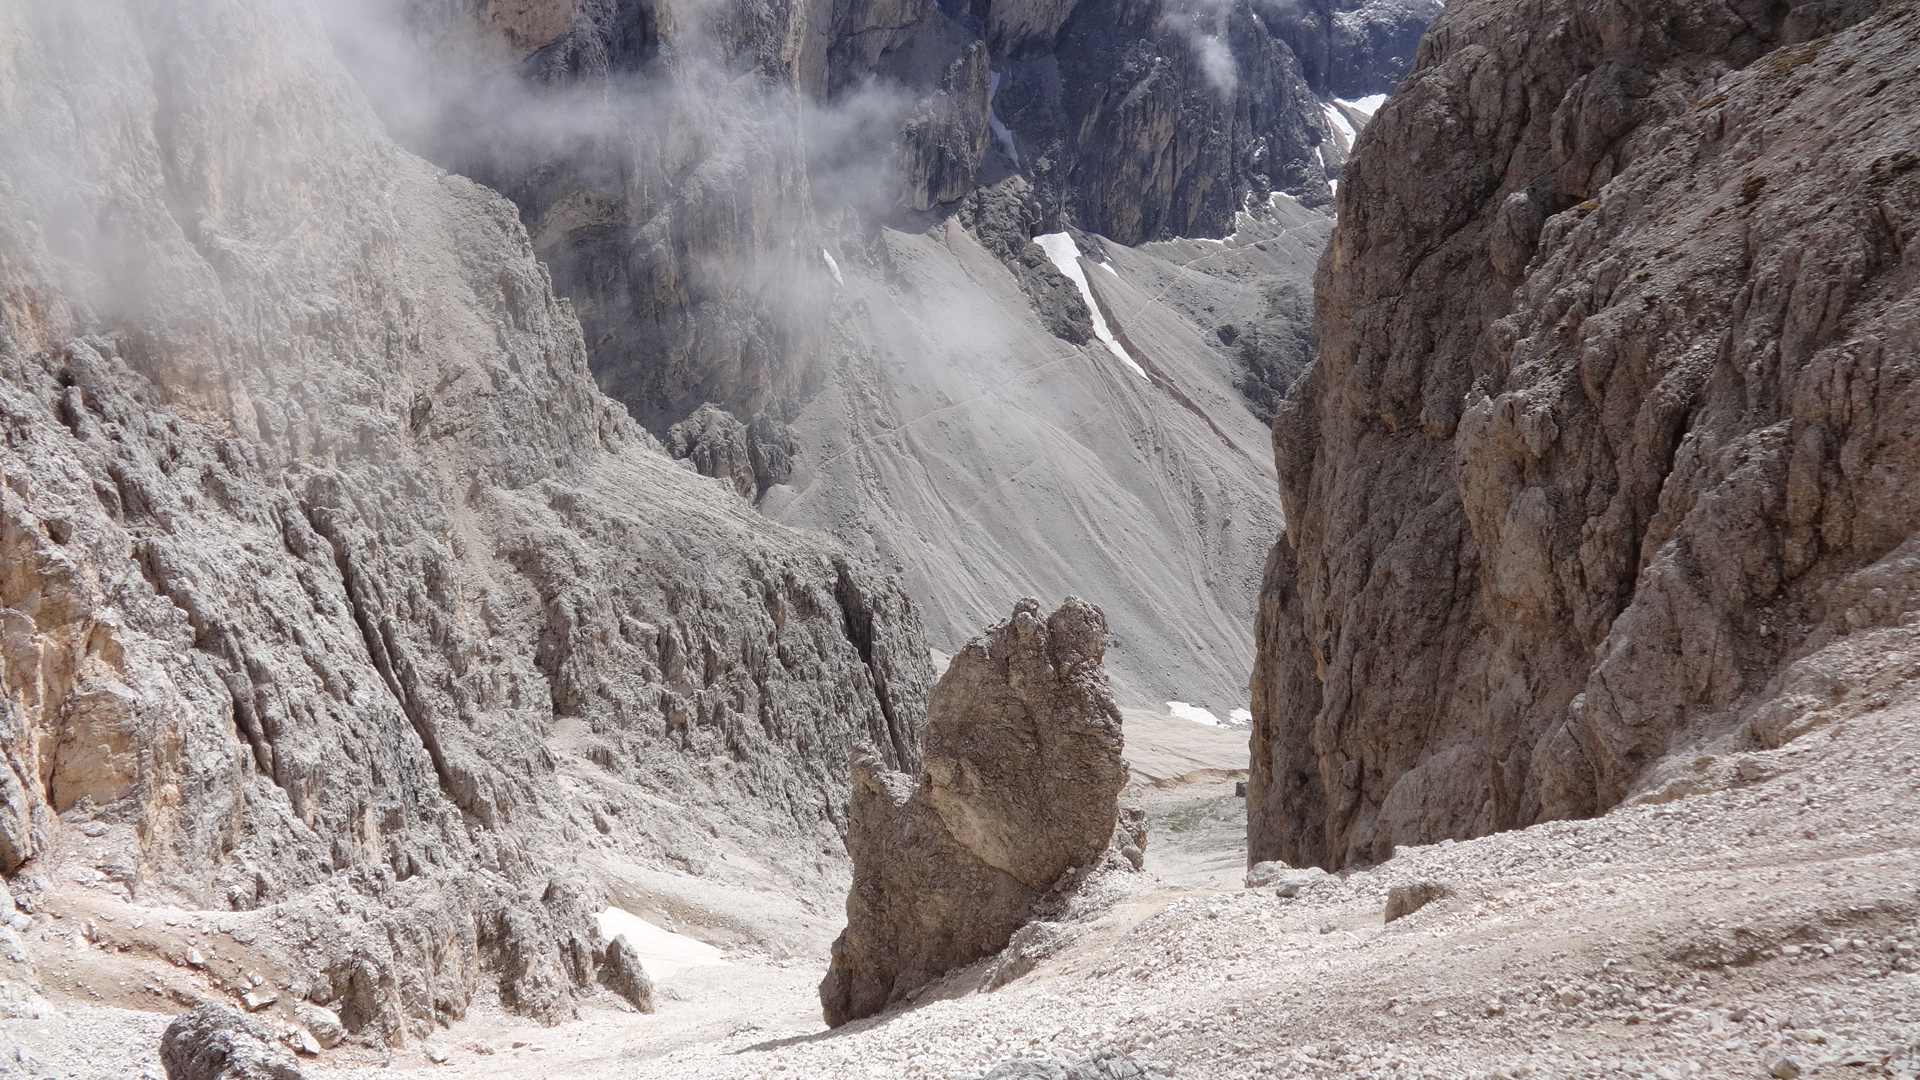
(1065, 256)
(1341, 125)
(832, 265)
(1241, 716)
(1108, 267)
(1369, 104)
(663, 953)
(1195, 713)
(1000, 131)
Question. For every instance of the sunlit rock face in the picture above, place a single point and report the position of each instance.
(1019, 801)
(335, 594)
(1601, 457)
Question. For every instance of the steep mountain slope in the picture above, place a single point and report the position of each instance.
(979, 456)
(749, 206)
(333, 589)
(1607, 454)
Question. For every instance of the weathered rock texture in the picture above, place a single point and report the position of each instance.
(679, 172)
(328, 580)
(1024, 768)
(747, 204)
(1350, 50)
(1610, 436)
(214, 1042)
(622, 972)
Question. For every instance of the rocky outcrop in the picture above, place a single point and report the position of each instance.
(213, 1042)
(1152, 120)
(752, 457)
(323, 562)
(1023, 769)
(1606, 446)
(622, 972)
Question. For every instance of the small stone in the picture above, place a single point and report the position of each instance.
(258, 998)
(436, 1054)
(194, 959)
(1404, 900)
(1783, 1068)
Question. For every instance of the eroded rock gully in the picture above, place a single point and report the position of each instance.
(1018, 799)
(1609, 447)
(335, 594)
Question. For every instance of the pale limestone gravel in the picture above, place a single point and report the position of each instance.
(1570, 950)
(1573, 949)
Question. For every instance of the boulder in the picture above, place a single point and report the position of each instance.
(1019, 795)
(1285, 880)
(323, 1023)
(214, 1042)
(1404, 900)
(622, 973)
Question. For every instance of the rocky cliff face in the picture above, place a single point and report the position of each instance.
(1606, 450)
(331, 585)
(748, 206)
(1158, 119)
(1023, 770)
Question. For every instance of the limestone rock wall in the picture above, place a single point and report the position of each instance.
(1023, 770)
(329, 582)
(1607, 443)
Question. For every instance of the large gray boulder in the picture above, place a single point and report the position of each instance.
(214, 1042)
(1023, 772)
